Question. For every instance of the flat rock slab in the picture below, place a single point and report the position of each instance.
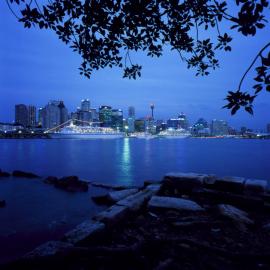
(112, 215)
(154, 188)
(116, 196)
(184, 181)
(83, 231)
(50, 248)
(234, 214)
(230, 184)
(135, 202)
(174, 203)
(255, 186)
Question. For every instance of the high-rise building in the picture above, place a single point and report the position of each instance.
(32, 118)
(21, 115)
(219, 128)
(41, 117)
(117, 119)
(183, 122)
(94, 115)
(63, 112)
(53, 114)
(268, 128)
(131, 119)
(131, 111)
(85, 105)
(105, 116)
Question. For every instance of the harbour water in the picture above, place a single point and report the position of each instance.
(37, 212)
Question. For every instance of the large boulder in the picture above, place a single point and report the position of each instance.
(50, 248)
(23, 174)
(227, 184)
(255, 186)
(235, 214)
(84, 231)
(184, 182)
(158, 202)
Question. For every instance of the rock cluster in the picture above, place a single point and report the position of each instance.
(188, 221)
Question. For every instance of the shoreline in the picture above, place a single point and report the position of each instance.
(235, 206)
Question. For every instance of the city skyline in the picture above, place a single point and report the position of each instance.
(192, 120)
(35, 112)
(37, 67)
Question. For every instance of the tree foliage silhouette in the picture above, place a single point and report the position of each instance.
(104, 32)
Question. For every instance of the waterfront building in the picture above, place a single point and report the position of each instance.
(21, 115)
(32, 116)
(219, 128)
(117, 119)
(139, 125)
(85, 105)
(105, 116)
(10, 127)
(200, 128)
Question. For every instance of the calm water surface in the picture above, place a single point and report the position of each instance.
(37, 212)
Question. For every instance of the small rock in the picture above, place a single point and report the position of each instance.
(24, 174)
(174, 203)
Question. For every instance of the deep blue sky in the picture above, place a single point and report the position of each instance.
(36, 67)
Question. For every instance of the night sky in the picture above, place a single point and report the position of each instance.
(36, 67)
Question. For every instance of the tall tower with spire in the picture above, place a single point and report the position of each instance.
(152, 106)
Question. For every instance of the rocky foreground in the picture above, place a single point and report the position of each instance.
(186, 221)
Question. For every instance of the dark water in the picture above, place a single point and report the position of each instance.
(37, 212)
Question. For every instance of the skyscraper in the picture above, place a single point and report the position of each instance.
(131, 119)
(21, 115)
(105, 116)
(183, 122)
(54, 114)
(131, 111)
(32, 118)
(85, 105)
(117, 119)
(268, 128)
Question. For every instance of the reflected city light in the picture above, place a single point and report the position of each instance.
(125, 162)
